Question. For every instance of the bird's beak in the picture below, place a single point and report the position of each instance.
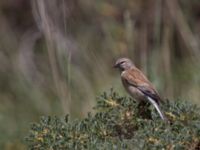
(115, 66)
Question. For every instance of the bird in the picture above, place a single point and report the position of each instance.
(137, 84)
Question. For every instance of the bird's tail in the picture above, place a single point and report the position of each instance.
(157, 108)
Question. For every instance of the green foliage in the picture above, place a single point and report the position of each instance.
(119, 124)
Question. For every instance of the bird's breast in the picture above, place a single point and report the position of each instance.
(133, 91)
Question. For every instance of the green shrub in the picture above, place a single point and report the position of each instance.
(119, 124)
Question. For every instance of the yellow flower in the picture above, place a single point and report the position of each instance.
(111, 102)
(171, 115)
(153, 140)
(39, 138)
(45, 131)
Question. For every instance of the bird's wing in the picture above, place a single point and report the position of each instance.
(137, 79)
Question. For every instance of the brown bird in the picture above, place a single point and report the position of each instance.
(137, 85)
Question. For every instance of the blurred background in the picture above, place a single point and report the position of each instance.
(56, 56)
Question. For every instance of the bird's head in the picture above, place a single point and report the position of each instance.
(123, 64)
